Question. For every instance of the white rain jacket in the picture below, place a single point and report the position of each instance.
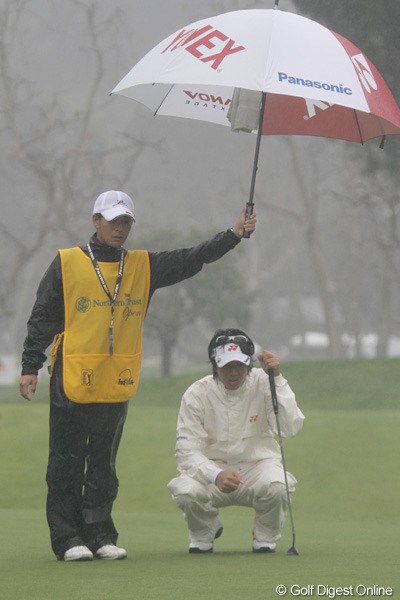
(220, 429)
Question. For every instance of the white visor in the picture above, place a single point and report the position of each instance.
(229, 353)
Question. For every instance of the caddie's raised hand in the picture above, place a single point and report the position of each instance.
(243, 225)
(228, 481)
(27, 386)
(268, 360)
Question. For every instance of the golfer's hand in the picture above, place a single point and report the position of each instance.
(242, 225)
(27, 386)
(228, 481)
(268, 361)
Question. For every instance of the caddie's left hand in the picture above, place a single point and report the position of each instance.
(243, 225)
(27, 386)
(268, 360)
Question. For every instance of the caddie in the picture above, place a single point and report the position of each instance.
(92, 303)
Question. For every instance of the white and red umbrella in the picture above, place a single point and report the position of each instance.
(309, 79)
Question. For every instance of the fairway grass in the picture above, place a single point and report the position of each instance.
(345, 507)
(346, 553)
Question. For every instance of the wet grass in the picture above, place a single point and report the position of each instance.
(345, 508)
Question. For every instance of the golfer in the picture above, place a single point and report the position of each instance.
(225, 448)
(92, 302)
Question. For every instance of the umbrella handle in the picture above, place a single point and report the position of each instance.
(249, 212)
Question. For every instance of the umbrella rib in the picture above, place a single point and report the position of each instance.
(163, 100)
(379, 123)
(358, 127)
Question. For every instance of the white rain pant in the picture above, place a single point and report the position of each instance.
(263, 489)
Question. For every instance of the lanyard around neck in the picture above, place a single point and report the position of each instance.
(107, 291)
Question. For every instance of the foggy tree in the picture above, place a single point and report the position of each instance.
(380, 200)
(313, 300)
(57, 151)
(311, 198)
(369, 25)
(217, 296)
(63, 143)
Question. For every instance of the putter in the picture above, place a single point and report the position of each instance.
(292, 550)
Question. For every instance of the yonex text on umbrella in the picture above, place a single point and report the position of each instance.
(195, 42)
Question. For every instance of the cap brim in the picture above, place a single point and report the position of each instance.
(117, 211)
(225, 357)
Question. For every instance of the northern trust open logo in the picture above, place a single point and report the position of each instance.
(83, 304)
(131, 305)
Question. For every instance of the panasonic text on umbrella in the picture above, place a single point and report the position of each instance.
(315, 84)
(198, 42)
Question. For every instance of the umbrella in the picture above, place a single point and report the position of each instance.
(269, 71)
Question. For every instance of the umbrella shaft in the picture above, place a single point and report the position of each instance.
(250, 203)
(257, 150)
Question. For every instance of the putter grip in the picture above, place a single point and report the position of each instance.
(249, 210)
(271, 376)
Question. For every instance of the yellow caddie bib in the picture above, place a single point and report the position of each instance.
(90, 374)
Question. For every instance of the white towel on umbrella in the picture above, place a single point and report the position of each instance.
(244, 110)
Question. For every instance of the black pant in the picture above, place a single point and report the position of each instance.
(81, 477)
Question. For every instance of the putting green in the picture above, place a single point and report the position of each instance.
(345, 508)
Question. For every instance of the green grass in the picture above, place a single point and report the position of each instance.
(345, 508)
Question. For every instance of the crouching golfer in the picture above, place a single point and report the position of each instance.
(93, 300)
(225, 449)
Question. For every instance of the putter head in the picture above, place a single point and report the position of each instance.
(292, 551)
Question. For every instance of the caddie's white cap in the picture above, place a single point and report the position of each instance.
(229, 353)
(114, 204)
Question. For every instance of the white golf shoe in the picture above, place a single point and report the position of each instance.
(110, 552)
(263, 547)
(204, 547)
(78, 553)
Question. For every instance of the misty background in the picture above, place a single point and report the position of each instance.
(320, 276)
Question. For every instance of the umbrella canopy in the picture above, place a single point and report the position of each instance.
(314, 81)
